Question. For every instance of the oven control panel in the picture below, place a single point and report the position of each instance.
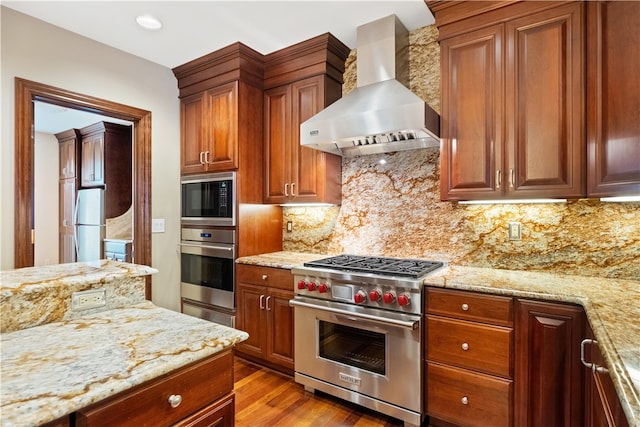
(387, 297)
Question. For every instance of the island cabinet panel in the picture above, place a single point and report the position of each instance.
(469, 358)
(199, 385)
(613, 104)
(513, 102)
(263, 311)
(548, 373)
(602, 407)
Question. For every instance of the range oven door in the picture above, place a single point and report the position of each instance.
(372, 356)
(207, 273)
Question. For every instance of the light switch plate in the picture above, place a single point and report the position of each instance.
(157, 225)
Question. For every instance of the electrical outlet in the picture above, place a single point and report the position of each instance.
(515, 231)
(289, 226)
(92, 298)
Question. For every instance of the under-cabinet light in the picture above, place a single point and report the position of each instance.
(306, 205)
(510, 201)
(621, 199)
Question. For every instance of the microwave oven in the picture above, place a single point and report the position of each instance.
(209, 199)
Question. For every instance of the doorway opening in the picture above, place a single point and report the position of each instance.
(26, 93)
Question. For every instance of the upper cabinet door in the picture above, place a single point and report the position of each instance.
(277, 147)
(209, 126)
(472, 115)
(545, 104)
(613, 88)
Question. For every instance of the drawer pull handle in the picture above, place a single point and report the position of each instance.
(465, 346)
(465, 307)
(175, 400)
(265, 277)
(464, 400)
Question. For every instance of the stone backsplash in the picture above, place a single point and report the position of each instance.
(394, 209)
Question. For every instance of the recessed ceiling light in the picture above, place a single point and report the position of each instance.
(148, 22)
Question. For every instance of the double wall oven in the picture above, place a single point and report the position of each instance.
(208, 247)
(358, 331)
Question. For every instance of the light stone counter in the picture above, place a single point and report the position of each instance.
(282, 259)
(55, 369)
(39, 295)
(612, 307)
(56, 361)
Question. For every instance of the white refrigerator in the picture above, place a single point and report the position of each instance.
(89, 224)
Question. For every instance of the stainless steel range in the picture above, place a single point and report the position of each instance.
(358, 331)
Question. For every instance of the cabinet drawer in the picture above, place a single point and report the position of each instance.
(470, 345)
(199, 384)
(470, 306)
(265, 276)
(467, 398)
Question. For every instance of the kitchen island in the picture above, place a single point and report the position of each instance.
(611, 307)
(52, 369)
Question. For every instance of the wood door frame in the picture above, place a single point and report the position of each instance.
(26, 92)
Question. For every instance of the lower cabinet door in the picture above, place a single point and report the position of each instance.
(467, 398)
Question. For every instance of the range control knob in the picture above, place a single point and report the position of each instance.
(312, 286)
(323, 287)
(404, 300)
(374, 295)
(302, 284)
(388, 297)
(359, 297)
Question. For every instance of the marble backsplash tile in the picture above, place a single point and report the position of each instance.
(395, 210)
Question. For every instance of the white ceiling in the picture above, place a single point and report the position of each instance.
(192, 29)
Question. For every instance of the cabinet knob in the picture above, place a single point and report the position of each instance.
(265, 277)
(175, 400)
(464, 400)
(465, 346)
(465, 307)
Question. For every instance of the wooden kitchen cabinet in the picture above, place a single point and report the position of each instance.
(300, 81)
(205, 388)
(548, 375)
(294, 173)
(469, 358)
(209, 138)
(512, 99)
(263, 311)
(602, 407)
(69, 149)
(107, 155)
(613, 104)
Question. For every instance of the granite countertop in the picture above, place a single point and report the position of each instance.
(55, 369)
(612, 307)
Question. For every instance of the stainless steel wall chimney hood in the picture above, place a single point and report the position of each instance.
(381, 114)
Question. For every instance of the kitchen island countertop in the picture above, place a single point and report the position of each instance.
(52, 370)
(612, 307)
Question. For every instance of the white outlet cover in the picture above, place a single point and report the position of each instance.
(157, 225)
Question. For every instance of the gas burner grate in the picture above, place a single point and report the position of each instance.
(405, 267)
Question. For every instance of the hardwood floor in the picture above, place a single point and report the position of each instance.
(268, 398)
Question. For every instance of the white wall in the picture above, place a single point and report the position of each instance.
(45, 199)
(37, 51)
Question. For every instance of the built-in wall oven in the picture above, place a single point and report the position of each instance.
(358, 331)
(207, 274)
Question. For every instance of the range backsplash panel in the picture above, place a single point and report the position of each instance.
(394, 209)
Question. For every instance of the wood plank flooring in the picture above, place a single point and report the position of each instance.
(265, 398)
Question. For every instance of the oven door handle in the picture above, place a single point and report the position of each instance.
(219, 248)
(411, 324)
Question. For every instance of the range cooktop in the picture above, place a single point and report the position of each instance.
(404, 267)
